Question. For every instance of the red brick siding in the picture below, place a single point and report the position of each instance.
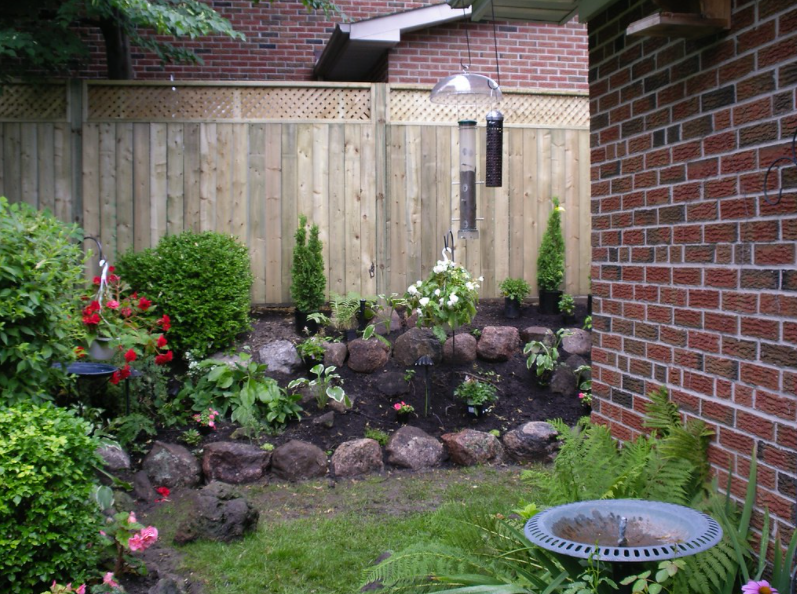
(682, 135)
(283, 42)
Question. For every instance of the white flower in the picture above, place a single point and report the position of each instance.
(469, 286)
(453, 299)
(424, 301)
(412, 290)
(418, 283)
(437, 292)
(441, 302)
(480, 279)
(438, 269)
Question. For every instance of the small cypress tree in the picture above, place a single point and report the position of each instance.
(551, 259)
(309, 281)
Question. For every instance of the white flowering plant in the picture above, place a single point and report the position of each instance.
(447, 297)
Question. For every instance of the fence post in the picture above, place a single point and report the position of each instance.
(380, 112)
(75, 90)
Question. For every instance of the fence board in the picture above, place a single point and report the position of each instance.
(290, 206)
(349, 225)
(107, 190)
(275, 209)
(141, 188)
(45, 166)
(11, 164)
(28, 165)
(62, 159)
(124, 187)
(192, 171)
(175, 179)
(338, 162)
(91, 183)
(258, 250)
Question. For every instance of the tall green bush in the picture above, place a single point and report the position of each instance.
(49, 523)
(309, 282)
(201, 281)
(40, 267)
(551, 259)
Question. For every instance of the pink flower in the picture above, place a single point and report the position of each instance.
(126, 312)
(762, 587)
(97, 280)
(581, 394)
(131, 519)
(144, 539)
(108, 580)
(398, 405)
(112, 304)
(136, 543)
(81, 589)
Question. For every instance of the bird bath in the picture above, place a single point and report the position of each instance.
(623, 530)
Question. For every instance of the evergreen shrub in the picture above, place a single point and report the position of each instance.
(201, 281)
(309, 283)
(551, 259)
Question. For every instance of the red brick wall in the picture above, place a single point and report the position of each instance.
(283, 42)
(694, 273)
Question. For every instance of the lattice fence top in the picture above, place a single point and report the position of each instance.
(222, 103)
(528, 109)
(42, 102)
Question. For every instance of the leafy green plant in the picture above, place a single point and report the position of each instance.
(567, 305)
(309, 283)
(191, 437)
(647, 582)
(242, 389)
(476, 333)
(312, 348)
(514, 288)
(344, 310)
(476, 393)
(409, 374)
(391, 303)
(49, 523)
(588, 323)
(324, 385)
(202, 283)
(377, 435)
(267, 447)
(40, 268)
(551, 258)
(127, 429)
(542, 357)
(584, 381)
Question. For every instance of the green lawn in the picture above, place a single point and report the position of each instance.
(316, 539)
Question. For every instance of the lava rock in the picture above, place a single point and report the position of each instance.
(360, 456)
(218, 513)
(233, 462)
(498, 343)
(532, 442)
(470, 447)
(465, 344)
(415, 343)
(366, 356)
(281, 357)
(171, 465)
(298, 460)
(413, 448)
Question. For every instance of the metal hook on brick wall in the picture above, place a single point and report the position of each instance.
(774, 164)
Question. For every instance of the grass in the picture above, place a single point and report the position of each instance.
(313, 539)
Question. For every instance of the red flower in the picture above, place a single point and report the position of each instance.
(163, 359)
(91, 307)
(130, 356)
(161, 341)
(125, 372)
(112, 278)
(80, 352)
(111, 268)
(116, 377)
(163, 491)
(126, 312)
(144, 304)
(97, 280)
(91, 319)
(165, 323)
(112, 304)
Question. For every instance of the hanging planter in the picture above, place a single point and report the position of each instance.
(101, 348)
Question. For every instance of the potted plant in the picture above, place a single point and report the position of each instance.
(312, 350)
(345, 309)
(206, 420)
(543, 358)
(477, 395)
(567, 305)
(403, 411)
(309, 283)
(584, 381)
(514, 290)
(551, 262)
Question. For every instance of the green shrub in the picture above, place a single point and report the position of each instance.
(40, 265)
(201, 281)
(551, 259)
(514, 288)
(49, 524)
(307, 272)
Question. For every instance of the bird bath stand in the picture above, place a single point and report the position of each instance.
(623, 531)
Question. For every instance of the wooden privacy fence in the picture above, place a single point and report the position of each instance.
(373, 165)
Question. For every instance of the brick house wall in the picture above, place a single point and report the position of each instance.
(284, 40)
(694, 273)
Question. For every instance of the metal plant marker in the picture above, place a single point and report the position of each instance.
(624, 530)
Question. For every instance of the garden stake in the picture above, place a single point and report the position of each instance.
(426, 362)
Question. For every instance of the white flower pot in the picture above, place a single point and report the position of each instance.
(101, 349)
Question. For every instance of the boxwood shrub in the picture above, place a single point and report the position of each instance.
(49, 523)
(201, 281)
(40, 265)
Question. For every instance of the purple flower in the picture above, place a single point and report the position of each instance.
(762, 587)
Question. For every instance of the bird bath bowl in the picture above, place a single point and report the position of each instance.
(623, 530)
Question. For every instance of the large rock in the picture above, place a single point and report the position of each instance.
(540, 333)
(170, 584)
(335, 354)
(563, 381)
(171, 465)
(281, 357)
(366, 356)
(498, 343)
(114, 458)
(142, 487)
(298, 460)
(577, 342)
(414, 343)
(393, 384)
(532, 442)
(380, 323)
(357, 457)
(218, 513)
(233, 462)
(469, 447)
(413, 448)
(465, 345)
(575, 361)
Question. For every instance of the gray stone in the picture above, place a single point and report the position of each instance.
(171, 465)
(366, 356)
(142, 487)
(575, 361)
(498, 343)
(540, 333)
(413, 448)
(114, 458)
(298, 460)
(393, 384)
(327, 419)
(563, 381)
(531, 442)
(244, 433)
(223, 357)
(233, 462)
(577, 342)
(381, 325)
(281, 357)
(341, 407)
(218, 513)
(360, 456)
(335, 354)
(469, 447)
(414, 343)
(465, 345)
(167, 585)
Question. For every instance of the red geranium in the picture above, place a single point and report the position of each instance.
(91, 319)
(161, 341)
(165, 323)
(144, 304)
(163, 359)
(130, 356)
(120, 374)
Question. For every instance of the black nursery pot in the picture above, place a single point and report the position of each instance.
(511, 307)
(302, 322)
(549, 302)
(475, 410)
(589, 305)
(568, 319)
(403, 417)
